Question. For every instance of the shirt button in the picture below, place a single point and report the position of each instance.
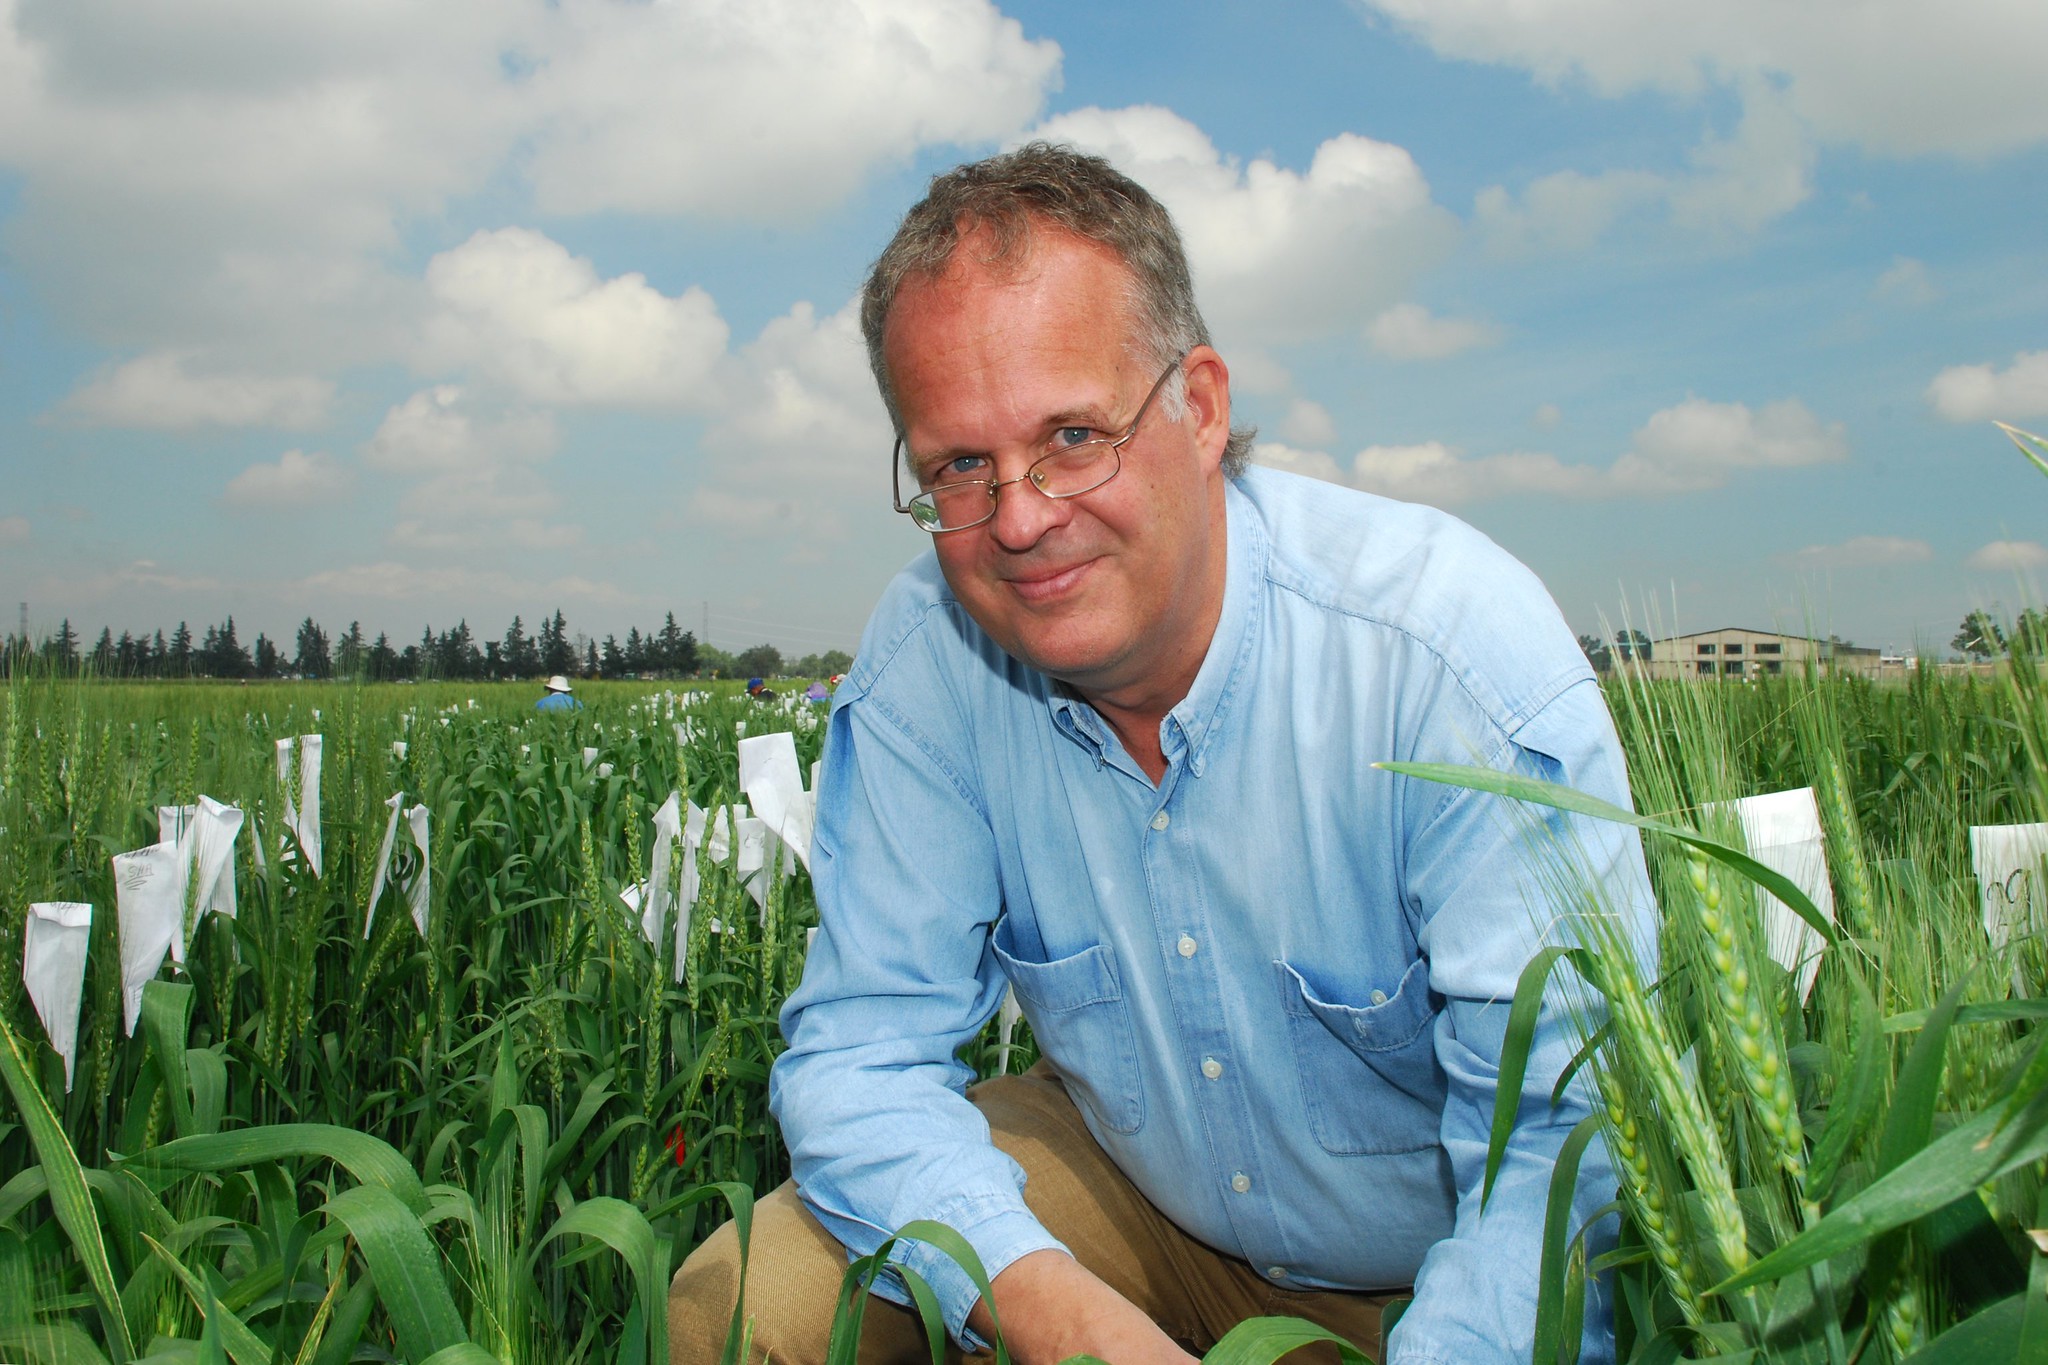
(1161, 820)
(1187, 946)
(1241, 1182)
(1276, 1272)
(1379, 997)
(1211, 1068)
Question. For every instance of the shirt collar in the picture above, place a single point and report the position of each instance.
(1190, 727)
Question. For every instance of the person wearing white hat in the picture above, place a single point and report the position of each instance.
(558, 698)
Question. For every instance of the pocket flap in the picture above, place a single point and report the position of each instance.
(1089, 977)
(1385, 1027)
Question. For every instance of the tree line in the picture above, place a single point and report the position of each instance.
(1983, 636)
(456, 653)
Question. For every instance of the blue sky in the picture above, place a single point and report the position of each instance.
(401, 314)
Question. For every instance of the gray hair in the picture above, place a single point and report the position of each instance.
(1012, 195)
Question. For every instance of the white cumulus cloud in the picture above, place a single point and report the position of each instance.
(1315, 464)
(767, 108)
(1435, 473)
(1863, 552)
(515, 305)
(1408, 331)
(472, 477)
(436, 432)
(1976, 393)
(243, 174)
(1696, 444)
(159, 392)
(1308, 423)
(140, 575)
(799, 449)
(1278, 254)
(2009, 556)
(1689, 447)
(1735, 184)
(1896, 77)
(296, 479)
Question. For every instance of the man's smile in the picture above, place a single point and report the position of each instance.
(1040, 586)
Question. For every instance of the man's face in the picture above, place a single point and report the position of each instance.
(1116, 591)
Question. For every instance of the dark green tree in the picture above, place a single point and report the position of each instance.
(350, 652)
(269, 661)
(1980, 636)
(61, 649)
(521, 654)
(557, 654)
(761, 661)
(312, 660)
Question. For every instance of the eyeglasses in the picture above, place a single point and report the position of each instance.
(1066, 470)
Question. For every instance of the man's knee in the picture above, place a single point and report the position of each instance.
(794, 1270)
(700, 1299)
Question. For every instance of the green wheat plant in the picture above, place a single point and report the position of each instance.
(1857, 1176)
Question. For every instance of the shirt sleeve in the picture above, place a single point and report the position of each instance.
(1476, 872)
(871, 1094)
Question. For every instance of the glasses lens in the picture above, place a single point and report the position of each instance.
(1076, 470)
(952, 506)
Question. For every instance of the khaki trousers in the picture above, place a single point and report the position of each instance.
(794, 1266)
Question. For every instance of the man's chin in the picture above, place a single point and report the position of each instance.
(1082, 665)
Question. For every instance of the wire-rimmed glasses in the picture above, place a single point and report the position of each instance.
(1064, 471)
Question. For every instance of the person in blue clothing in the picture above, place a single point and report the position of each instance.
(1109, 743)
(557, 697)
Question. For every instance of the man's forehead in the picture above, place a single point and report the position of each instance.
(1070, 272)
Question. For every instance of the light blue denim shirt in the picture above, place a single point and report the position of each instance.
(1277, 982)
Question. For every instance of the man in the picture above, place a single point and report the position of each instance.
(1110, 743)
(557, 697)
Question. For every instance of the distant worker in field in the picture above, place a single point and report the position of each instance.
(1109, 741)
(557, 697)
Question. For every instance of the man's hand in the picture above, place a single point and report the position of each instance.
(1053, 1307)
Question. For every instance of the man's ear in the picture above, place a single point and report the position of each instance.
(1208, 401)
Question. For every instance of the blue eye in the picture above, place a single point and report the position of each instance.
(961, 467)
(1072, 436)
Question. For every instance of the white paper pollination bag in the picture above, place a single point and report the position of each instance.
(2011, 862)
(53, 969)
(774, 785)
(676, 836)
(149, 904)
(205, 835)
(1782, 831)
(161, 891)
(419, 886)
(696, 825)
(302, 777)
(744, 840)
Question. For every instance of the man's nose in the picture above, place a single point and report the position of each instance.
(1023, 514)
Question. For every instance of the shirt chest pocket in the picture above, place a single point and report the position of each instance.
(1082, 1022)
(1369, 1077)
